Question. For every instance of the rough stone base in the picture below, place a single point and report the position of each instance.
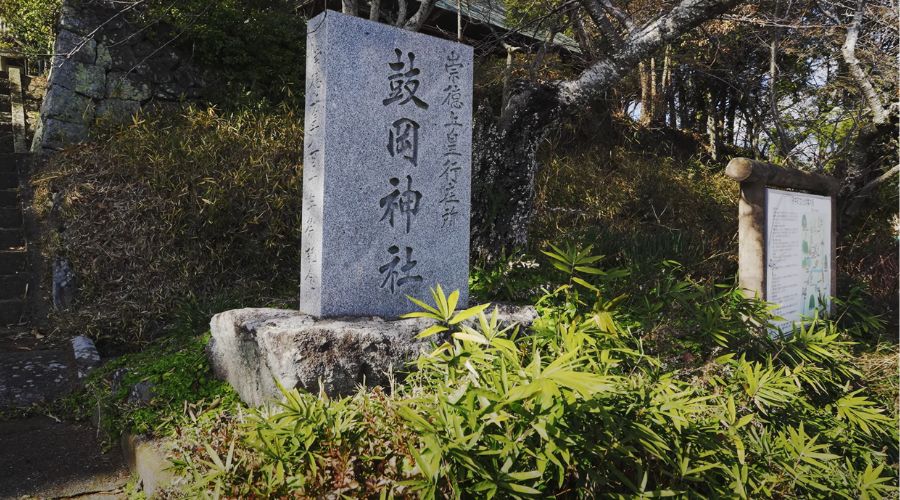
(254, 348)
(148, 460)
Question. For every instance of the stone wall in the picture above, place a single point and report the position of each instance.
(106, 66)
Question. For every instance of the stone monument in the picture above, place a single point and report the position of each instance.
(786, 236)
(387, 168)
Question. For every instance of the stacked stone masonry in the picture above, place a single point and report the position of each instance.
(106, 67)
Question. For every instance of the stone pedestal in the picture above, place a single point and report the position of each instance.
(254, 348)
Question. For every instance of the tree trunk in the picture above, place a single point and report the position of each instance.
(683, 102)
(654, 93)
(861, 165)
(730, 112)
(669, 113)
(505, 162)
(702, 107)
(646, 93)
(661, 97)
(784, 143)
(505, 165)
(712, 125)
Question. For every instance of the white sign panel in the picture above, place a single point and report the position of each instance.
(798, 254)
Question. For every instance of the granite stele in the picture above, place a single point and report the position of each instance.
(387, 162)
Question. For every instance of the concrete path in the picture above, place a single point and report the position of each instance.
(28, 378)
(40, 457)
(43, 458)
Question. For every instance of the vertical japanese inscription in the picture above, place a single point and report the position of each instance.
(313, 177)
(452, 157)
(403, 143)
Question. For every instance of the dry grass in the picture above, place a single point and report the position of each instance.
(640, 207)
(169, 212)
(881, 371)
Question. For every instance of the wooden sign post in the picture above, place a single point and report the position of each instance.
(787, 221)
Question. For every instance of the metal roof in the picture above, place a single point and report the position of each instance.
(493, 12)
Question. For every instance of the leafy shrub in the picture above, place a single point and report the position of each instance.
(198, 207)
(254, 46)
(177, 375)
(577, 406)
(640, 208)
(31, 24)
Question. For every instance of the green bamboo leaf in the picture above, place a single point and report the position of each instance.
(562, 267)
(744, 421)
(591, 259)
(421, 314)
(414, 418)
(524, 476)
(584, 283)
(521, 488)
(468, 313)
(431, 330)
(441, 301)
(452, 301)
(423, 305)
(471, 337)
(589, 270)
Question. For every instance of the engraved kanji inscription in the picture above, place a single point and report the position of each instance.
(403, 139)
(395, 277)
(405, 204)
(404, 83)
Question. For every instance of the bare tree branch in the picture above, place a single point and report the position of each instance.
(401, 12)
(619, 14)
(639, 44)
(581, 36)
(848, 51)
(350, 7)
(785, 143)
(598, 15)
(416, 22)
(860, 196)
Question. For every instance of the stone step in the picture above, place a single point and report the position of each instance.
(10, 311)
(9, 180)
(9, 198)
(11, 238)
(12, 286)
(9, 161)
(11, 217)
(12, 262)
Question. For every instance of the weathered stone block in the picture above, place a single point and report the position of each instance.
(37, 141)
(117, 110)
(56, 134)
(120, 86)
(72, 19)
(254, 348)
(188, 77)
(122, 59)
(86, 79)
(104, 57)
(148, 460)
(76, 47)
(387, 160)
(64, 104)
(85, 354)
